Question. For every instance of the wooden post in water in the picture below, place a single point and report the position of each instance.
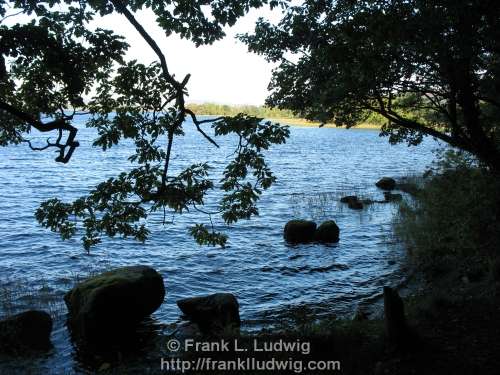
(395, 321)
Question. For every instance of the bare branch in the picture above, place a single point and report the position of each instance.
(59, 124)
(122, 8)
(11, 15)
(197, 124)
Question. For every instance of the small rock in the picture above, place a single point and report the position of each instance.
(327, 232)
(386, 183)
(214, 314)
(29, 330)
(299, 231)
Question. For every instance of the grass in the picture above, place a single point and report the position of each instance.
(16, 297)
(452, 231)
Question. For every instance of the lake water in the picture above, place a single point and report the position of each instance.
(269, 277)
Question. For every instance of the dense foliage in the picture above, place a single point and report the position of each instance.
(454, 215)
(428, 67)
(54, 66)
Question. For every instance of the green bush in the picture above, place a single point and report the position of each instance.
(454, 215)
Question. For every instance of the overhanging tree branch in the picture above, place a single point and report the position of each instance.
(65, 149)
(122, 8)
(414, 125)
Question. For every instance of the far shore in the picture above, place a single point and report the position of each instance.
(308, 124)
(300, 122)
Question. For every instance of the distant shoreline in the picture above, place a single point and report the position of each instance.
(309, 124)
(300, 122)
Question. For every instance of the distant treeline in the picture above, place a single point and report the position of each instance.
(372, 121)
(232, 110)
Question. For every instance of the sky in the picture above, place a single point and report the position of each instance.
(224, 72)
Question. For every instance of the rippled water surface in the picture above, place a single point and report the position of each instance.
(314, 169)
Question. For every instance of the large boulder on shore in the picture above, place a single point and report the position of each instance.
(327, 232)
(299, 231)
(214, 314)
(110, 305)
(386, 183)
(24, 332)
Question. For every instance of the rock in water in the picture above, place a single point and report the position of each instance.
(386, 183)
(214, 314)
(349, 198)
(353, 202)
(107, 306)
(355, 205)
(299, 231)
(327, 232)
(26, 331)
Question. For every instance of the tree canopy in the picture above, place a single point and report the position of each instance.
(428, 67)
(54, 67)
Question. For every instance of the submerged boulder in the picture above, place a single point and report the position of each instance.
(214, 314)
(386, 183)
(349, 198)
(327, 232)
(355, 205)
(299, 231)
(113, 303)
(29, 330)
(353, 202)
